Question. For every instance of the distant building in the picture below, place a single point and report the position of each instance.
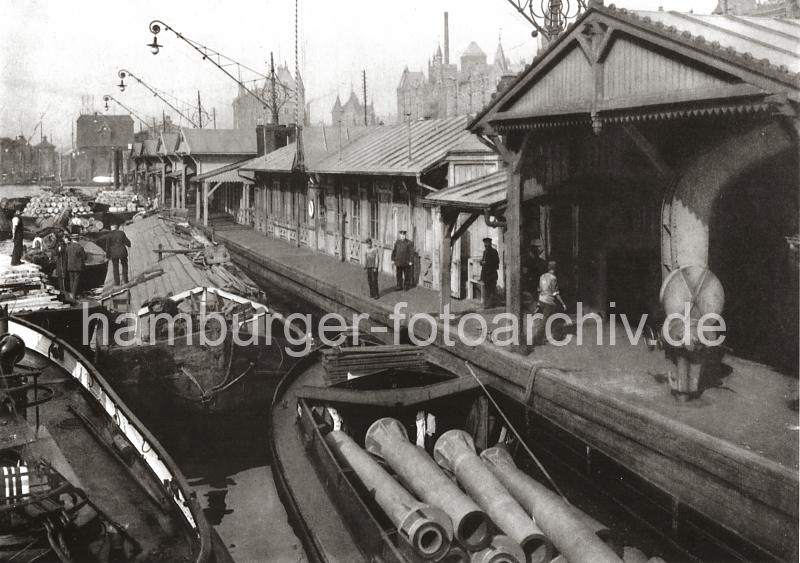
(449, 90)
(100, 143)
(249, 112)
(763, 8)
(22, 162)
(166, 125)
(352, 112)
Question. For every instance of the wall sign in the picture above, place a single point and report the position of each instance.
(311, 209)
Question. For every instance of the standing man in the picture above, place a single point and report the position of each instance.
(371, 266)
(61, 264)
(403, 256)
(76, 262)
(17, 231)
(490, 262)
(117, 244)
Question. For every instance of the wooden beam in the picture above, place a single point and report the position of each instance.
(513, 240)
(205, 204)
(212, 190)
(649, 150)
(463, 228)
(448, 219)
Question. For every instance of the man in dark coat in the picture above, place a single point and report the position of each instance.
(490, 262)
(76, 262)
(403, 258)
(117, 244)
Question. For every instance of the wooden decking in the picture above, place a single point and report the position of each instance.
(179, 271)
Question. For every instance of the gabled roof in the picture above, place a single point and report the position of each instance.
(148, 148)
(473, 50)
(411, 79)
(167, 143)
(478, 194)
(136, 149)
(216, 141)
(318, 143)
(400, 149)
(652, 60)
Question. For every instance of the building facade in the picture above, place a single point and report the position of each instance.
(452, 89)
(102, 144)
(22, 162)
(248, 112)
(352, 112)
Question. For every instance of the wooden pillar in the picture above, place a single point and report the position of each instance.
(448, 218)
(205, 204)
(163, 193)
(173, 194)
(197, 201)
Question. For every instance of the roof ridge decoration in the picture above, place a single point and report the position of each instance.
(713, 48)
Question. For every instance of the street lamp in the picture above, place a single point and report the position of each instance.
(122, 73)
(554, 14)
(210, 54)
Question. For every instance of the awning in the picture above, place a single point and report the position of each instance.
(228, 173)
(486, 193)
(479, 194)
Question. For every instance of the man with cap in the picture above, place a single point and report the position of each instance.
(17, 231)
(490, 262)
(371, 266)
(403, 258)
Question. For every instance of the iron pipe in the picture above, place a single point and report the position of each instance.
(502, 549)
(426, 527)
(455, 451)
(388, 439)
(558, 520)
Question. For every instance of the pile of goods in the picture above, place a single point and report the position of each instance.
(343, 363)
(118, 201)
(25, 287)
(53, 205)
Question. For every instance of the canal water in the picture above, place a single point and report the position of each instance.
(225, 460)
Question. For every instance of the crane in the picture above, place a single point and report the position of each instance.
(36, 128)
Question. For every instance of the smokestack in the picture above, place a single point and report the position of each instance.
(446, 40)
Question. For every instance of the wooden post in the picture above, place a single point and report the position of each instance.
(205, 204)
(448, 219)
(197, 202)
(342, 238)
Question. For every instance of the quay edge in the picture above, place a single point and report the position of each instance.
(746, 494)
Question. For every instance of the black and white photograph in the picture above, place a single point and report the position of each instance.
(474, 281)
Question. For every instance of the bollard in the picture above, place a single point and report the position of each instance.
(502, 550)
(455, 451)
(388, 439)
(557, 519)
(426, 527)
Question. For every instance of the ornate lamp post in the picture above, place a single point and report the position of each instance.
(550, 17)
(123, 74)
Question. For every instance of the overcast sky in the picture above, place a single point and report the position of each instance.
(53, 52)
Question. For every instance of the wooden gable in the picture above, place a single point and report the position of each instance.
(607, 62)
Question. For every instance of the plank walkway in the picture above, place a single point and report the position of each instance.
(732, 455)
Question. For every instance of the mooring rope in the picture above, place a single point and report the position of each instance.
(516, 433)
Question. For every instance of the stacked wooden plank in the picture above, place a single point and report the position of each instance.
(342, 363)
(25, 287)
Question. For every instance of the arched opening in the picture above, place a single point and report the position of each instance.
(749, 252)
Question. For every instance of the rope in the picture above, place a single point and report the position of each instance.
(517, 434)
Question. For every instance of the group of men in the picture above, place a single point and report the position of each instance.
(71, 256)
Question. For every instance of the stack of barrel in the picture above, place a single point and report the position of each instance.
(118, 201)
(489, 511)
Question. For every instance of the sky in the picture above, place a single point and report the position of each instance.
(55, 53)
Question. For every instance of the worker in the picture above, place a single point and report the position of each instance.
(76, 262)
(549, 299)
(490, 262)
(117, 244)
(61, 263)
(17, 231)
(371, 266)
(403, 256)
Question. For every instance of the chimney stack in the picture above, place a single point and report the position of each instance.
(446, 41)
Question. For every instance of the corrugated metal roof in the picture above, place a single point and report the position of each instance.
(398, 149)
(484, 192)
(217, 141)
(228, 173)
(318, 143)
(773, 39)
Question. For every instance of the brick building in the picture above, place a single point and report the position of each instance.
(101, 141)
(352, 112)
